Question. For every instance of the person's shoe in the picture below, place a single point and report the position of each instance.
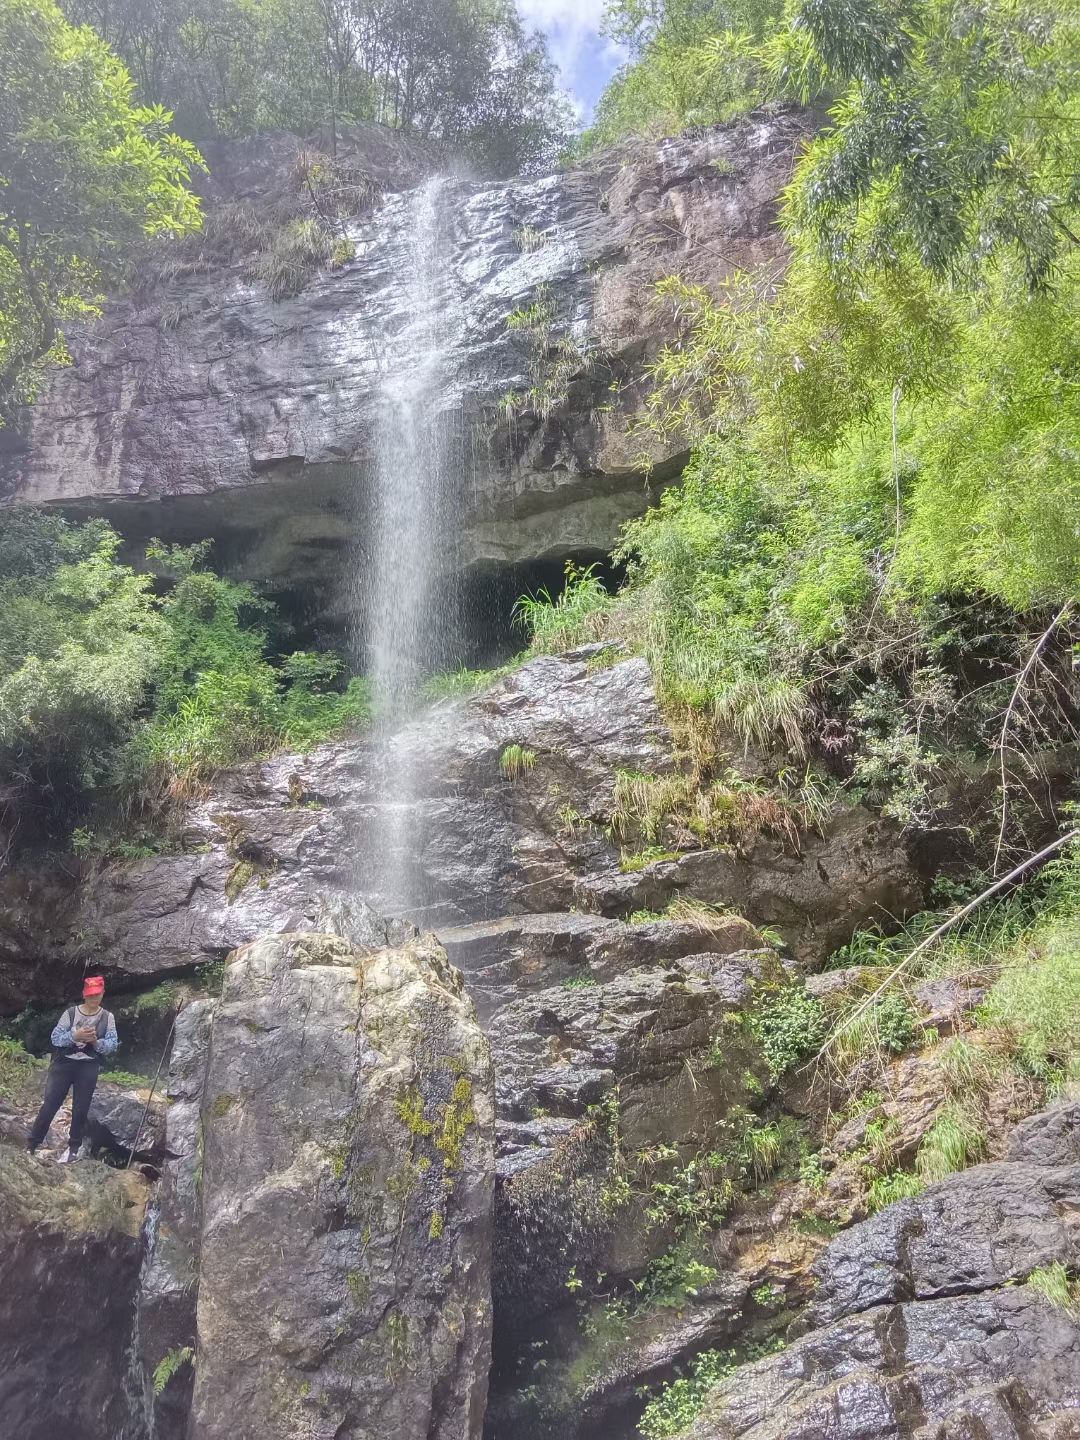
(69, 1157)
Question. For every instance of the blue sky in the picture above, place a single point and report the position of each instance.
(585, 59)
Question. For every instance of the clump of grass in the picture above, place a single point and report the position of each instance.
(516, 762)
(956, 1139)
(681, 809)
(1037, 997)
(528, 239)
(887, 1189)
(759, 708)
(1053, 1283)
(578, 616)
(536, 318)
(764, 1147)
(294, 254)
(453, 684)
(690, 911)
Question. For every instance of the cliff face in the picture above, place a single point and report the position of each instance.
(199, 405)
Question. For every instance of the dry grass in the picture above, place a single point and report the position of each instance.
(680, 812)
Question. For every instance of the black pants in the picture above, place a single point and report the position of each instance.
(78, 1076)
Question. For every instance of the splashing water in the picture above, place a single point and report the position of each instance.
(408, 619)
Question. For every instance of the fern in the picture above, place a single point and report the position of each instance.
(172, 1363)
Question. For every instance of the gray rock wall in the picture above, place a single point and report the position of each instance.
(201, 406)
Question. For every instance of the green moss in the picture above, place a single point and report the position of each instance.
(238, 878)
(435, 1229)
(359, 1287)
(458, 1115)
(223, 1104)
(410, 1109)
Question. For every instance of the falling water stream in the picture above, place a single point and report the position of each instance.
(404, 598)
(408, 627)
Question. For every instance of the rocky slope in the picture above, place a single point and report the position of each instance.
(199, 405)
(427, 824)
(920, 1326)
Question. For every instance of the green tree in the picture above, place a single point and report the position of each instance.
(461, 71)
(953, 136)
(84, 174)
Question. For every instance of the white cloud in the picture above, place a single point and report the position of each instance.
(585, 59)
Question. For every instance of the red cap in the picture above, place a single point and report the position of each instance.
(93, 985)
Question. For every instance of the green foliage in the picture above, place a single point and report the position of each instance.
(127, 1078)
(461, 683)
(171, 1365)
(692, 63)
(1037, 996)
(17, 1069)
(85, 173)
(100, 681)
(956, 1139)
(679, 1404)
(516, 762)
(294, 254)
(898, 1185)
(79, 644)
(461, 71)
(789, 1027)
(575, 617)
(896, 1025)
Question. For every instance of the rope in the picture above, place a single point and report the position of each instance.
(153, 1087)
(941, 929)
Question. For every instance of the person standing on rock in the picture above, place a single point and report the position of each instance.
(83, 1034)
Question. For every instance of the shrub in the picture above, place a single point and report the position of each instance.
(789, 1028)
(100, 681)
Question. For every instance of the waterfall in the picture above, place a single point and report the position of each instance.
(408, 621)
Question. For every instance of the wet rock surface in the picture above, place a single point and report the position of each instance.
(1000, 1365)
(254, 418)
(974, 1230)
(345, 1197)
(69, 1260)
(921, 1324)
(427, 825)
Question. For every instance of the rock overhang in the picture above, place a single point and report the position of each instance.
(201, 406)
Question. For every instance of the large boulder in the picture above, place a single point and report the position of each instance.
(70, 1257)
(974, 1230)
(921, 1325)
(346, 1193)
(169, 1284)
(1004, 1366)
